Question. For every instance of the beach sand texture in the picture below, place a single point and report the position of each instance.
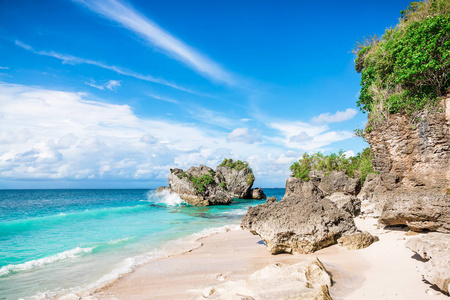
(385, 270)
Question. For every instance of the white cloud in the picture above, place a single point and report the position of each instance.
(165, 99)
(306, 137)
(73, 60)
(246, 120)
(244, 135)
(4, 68)
(339, 116)
(211, 117)
(160, 39)
(109, 85)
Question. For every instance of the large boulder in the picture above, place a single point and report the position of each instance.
(298, 224)
(239, 181)
(203, 186)
(346, 202)
(358, 240)
(300, 188)
(434, 247)
(337, 181)
(420, 210)
(199, 186)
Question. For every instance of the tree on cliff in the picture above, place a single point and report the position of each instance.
(408, 68)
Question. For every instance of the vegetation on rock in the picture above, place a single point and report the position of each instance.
(200, 182)
(408, 68)
(354, 166)
(237, 165)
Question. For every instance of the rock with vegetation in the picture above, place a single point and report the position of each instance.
(298, 224)
(358, 240)
(405, 78)
(238, 176)
(434, 247)
(202, 186)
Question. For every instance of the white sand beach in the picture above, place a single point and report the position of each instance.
(384, 270)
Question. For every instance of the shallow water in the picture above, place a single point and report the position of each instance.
(53, 241)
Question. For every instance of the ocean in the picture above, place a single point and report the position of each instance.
(55, 242)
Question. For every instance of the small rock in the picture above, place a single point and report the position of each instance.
(357, 240)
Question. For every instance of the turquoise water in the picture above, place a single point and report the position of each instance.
(56, 241)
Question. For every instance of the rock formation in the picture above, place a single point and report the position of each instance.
(358, 240)
(298, 224)
(304, 280)
(413, 159)
(203, 186)
(434, 247)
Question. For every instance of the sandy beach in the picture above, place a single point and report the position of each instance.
(385, 270)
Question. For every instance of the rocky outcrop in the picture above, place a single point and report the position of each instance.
(258, 194)
(298, 224)
(349, 203)
(337, 181)
(419, 210)
(202, 186)
(358, 240)
(162, 189)
(304, 280)
(434, 247)
(413, 159)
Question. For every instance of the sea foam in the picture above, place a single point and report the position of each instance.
(164, 197)
(75, 252)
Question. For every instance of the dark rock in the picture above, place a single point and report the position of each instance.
(298, 224)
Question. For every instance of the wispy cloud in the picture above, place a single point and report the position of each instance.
(73, 60)
(158, 38)
(165, 99)
(4, 68)
(244, 135)
(109, 85)
(339, 116)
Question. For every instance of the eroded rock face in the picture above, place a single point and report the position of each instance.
(211, 194)
(304, 280)
(411, 159)
(217, 187)
(434, 247)
(349, 203)
(358, 240)
(421, 210)
(298, 224)
(339, 182)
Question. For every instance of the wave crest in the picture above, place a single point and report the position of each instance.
(75, 252)
(165, 197)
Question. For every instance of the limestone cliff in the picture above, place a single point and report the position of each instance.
(413, 161)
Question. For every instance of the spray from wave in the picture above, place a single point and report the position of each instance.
(164, 197)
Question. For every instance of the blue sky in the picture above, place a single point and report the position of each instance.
(108, 93)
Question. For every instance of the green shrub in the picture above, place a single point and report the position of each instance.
(250, 179)
(237, 165)
(354, 166)
(199, 183)
(408, 69)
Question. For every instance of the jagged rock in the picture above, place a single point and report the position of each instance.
(419, 209)
(307, 189)
(358, 240)
(413, 159)
(203, 186)
(258, 194)
(211, 194)
(304, 280)
(271, 199)
(239, 182)
(346, 202)
(434, 247)
(162, 189)
(298, 224)
(339, 182)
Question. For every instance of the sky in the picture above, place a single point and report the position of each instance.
(112, 94)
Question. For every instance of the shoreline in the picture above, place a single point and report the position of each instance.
(384, 270)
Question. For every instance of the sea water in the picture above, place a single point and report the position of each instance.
(54, 242)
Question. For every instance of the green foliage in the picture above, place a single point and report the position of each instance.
(237, 165)
(200, 182)
(408, 69)
(354, 166)
(223, 185)
(448, 191)
(250, 179)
